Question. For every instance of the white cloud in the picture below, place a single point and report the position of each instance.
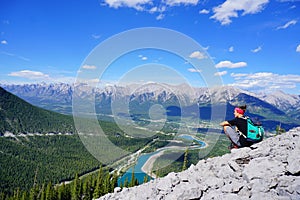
(178, 2)
(95, 36)
(143, 57)
(160, 10)
(203, 11)
(231, 49)
(298, 48)
(157, 9)
(230, 8)
(290, 23)
(153, 9)
(205, 48)
(14, 55)
(90, 82)
(149, 6)
(24, 58)
(29, 77)
(266, 81)
(229, 64)
(3, 42)
(29, 74)
(197, 54)
(257, 49)
(160, 16)
(136, 4)
(7, 53)
(222, 73)
(90, 67)
(194, 70)
(287, 0)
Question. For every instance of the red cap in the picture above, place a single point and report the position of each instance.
(239, 110)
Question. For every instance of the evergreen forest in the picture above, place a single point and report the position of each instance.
(18, 116)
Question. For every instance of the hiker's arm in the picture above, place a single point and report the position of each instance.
(225, 123)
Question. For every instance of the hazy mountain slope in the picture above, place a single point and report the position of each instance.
(268, 114)
(18, 116)
(281, 100)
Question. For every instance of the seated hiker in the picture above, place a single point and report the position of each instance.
(236, 134)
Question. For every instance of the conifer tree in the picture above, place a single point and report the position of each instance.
(75, 193)
(17, 194)
(55, 193)
(61, 192)
(114, 181)
(87, 189)
(184, 166)
(279, 130)
(158, 173)
(126, 182)
(67, 192)
(146, 179)
(136, 182)
(24, 196)
(49, 192)
(106, 184)
(132, 181)
(98, 184)
(42, 193)
(33, 195)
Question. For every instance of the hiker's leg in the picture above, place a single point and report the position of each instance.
(232, 135)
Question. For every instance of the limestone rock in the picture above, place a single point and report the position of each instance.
(267, 170)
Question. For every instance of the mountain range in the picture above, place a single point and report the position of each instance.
(273, 108)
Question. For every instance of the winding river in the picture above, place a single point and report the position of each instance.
(137, 168)
(142, 159)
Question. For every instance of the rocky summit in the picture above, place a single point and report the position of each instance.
(267, 170)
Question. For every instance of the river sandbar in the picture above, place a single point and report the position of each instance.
(148, 166)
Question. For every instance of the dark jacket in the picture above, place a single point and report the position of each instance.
(241, 125)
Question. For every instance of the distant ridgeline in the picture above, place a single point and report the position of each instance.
(272, 109)
(18, 116)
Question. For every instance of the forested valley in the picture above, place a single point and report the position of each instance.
(42, 156)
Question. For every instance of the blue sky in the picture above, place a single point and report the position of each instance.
(254, 44)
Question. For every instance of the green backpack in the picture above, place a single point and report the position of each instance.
(255, 131)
